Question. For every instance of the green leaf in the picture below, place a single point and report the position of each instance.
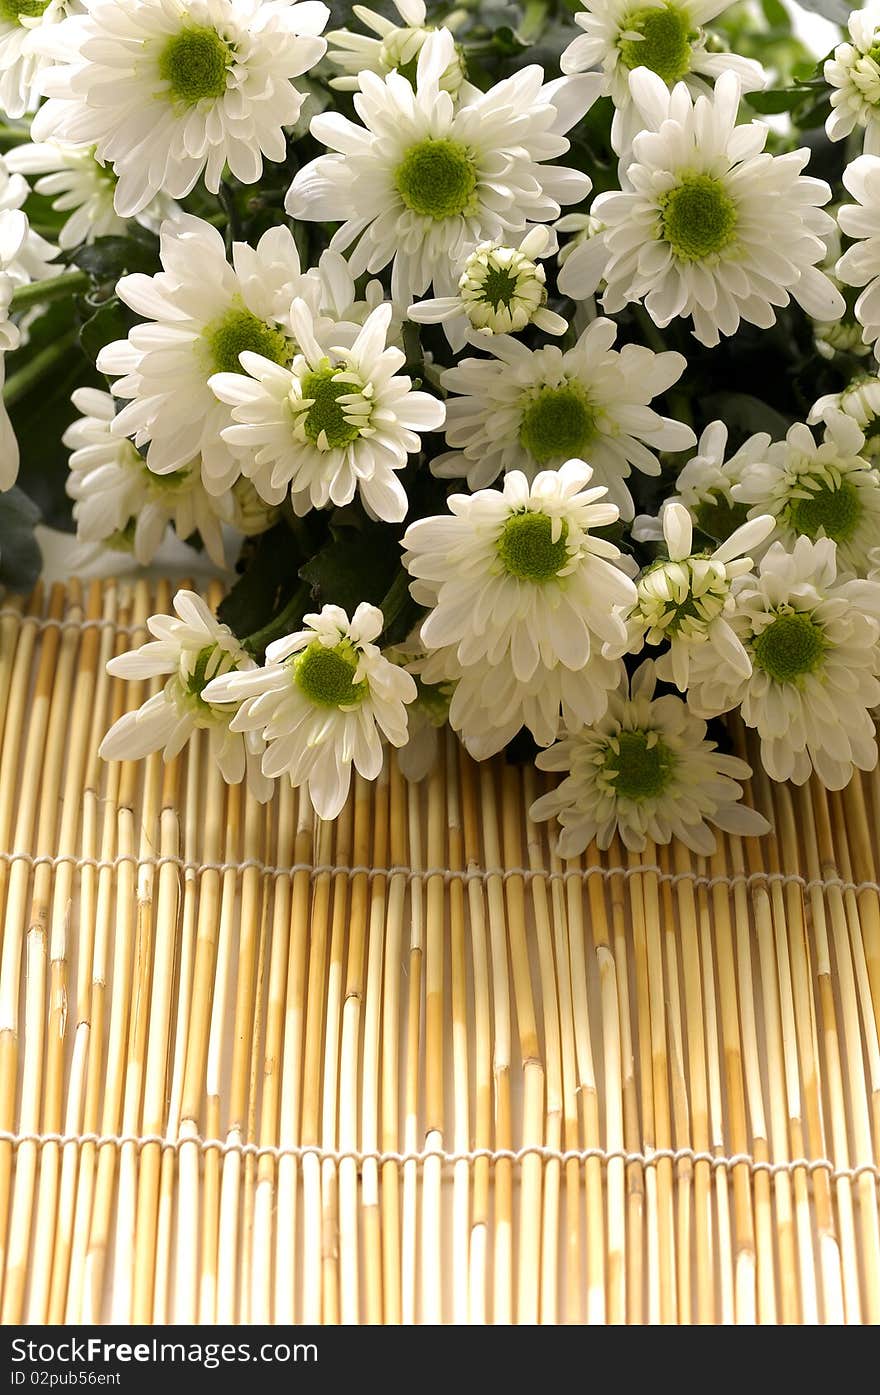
(741, 412)
(106, 324)
(773, 103)
(20, 557)
(776, 15)
(354, 569)
(108, 258)
(267, 581)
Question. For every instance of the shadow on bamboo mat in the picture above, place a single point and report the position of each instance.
(409, 1066)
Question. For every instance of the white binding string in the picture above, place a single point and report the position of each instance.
(50, 623)
(449, 874)
(421, 1156)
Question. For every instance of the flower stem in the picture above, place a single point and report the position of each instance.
(19, 384)
(280, 625)
(55, 288)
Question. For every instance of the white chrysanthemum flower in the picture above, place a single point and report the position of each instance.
(251, 514)
(705, 486)
(322, 703)
(853, 70)
(167, 92)
(582, 226)
(861, 401)
(813, 642)
(13, 230)
(708, 226)
(394, 47)
(338, 421)
(665, 36)
(202, 314)
(24, 257)
(517, 572)
(28, 256)
(860, 263)
(20, 62)
(685, 599)
(122, 503)
(818, 491)
(192, 650)
(645, 771)
(524, 409)
(501, 290)
(423, 179)
(76, 184)
(522, 596)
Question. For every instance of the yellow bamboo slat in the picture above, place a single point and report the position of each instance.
(409, 1067)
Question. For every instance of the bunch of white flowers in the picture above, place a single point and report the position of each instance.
(537, 399)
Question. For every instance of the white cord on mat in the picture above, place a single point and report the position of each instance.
(337, 1155)
(448, 874)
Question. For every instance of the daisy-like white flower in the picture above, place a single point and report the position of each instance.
(192, 650)
(860, 263)
(827, 490)
(859, 400)
(685, 598)
(202, 314)
(645, 770)
(13, 230)
(24, 257)
(813, 643)
(20, 62)
(519, 589)
(338, 421)
(708, 225)
(665, 36)
(523, 409)
(394, 46)
(501, 290)
(853, 70)
(29, 256)
(120, 502)
(167, 92)
(705, 486)
(323, 702)
(423, 179)
(582, 227)
(76, 184)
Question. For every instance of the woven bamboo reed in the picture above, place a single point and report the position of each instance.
(409, 1067)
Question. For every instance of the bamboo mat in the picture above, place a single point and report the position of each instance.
(408, 1066)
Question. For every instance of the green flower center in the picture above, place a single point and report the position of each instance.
(790, 647)
(698, 218)
(325, 424)
(639, 771)
(527, 550)
(664, 45)
(238, 332)
(162, 485)
(718, 517)
(499, 286)
(558, 424)
(437, 179)
(326, 676)
(874, 53)
(837, 511)
(194, 63)
(196, 673)
(13, 11)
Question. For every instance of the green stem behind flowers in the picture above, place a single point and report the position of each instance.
(43, 292)
(284, 623)
(19, 384)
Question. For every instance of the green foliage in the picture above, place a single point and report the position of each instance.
(20, 558)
